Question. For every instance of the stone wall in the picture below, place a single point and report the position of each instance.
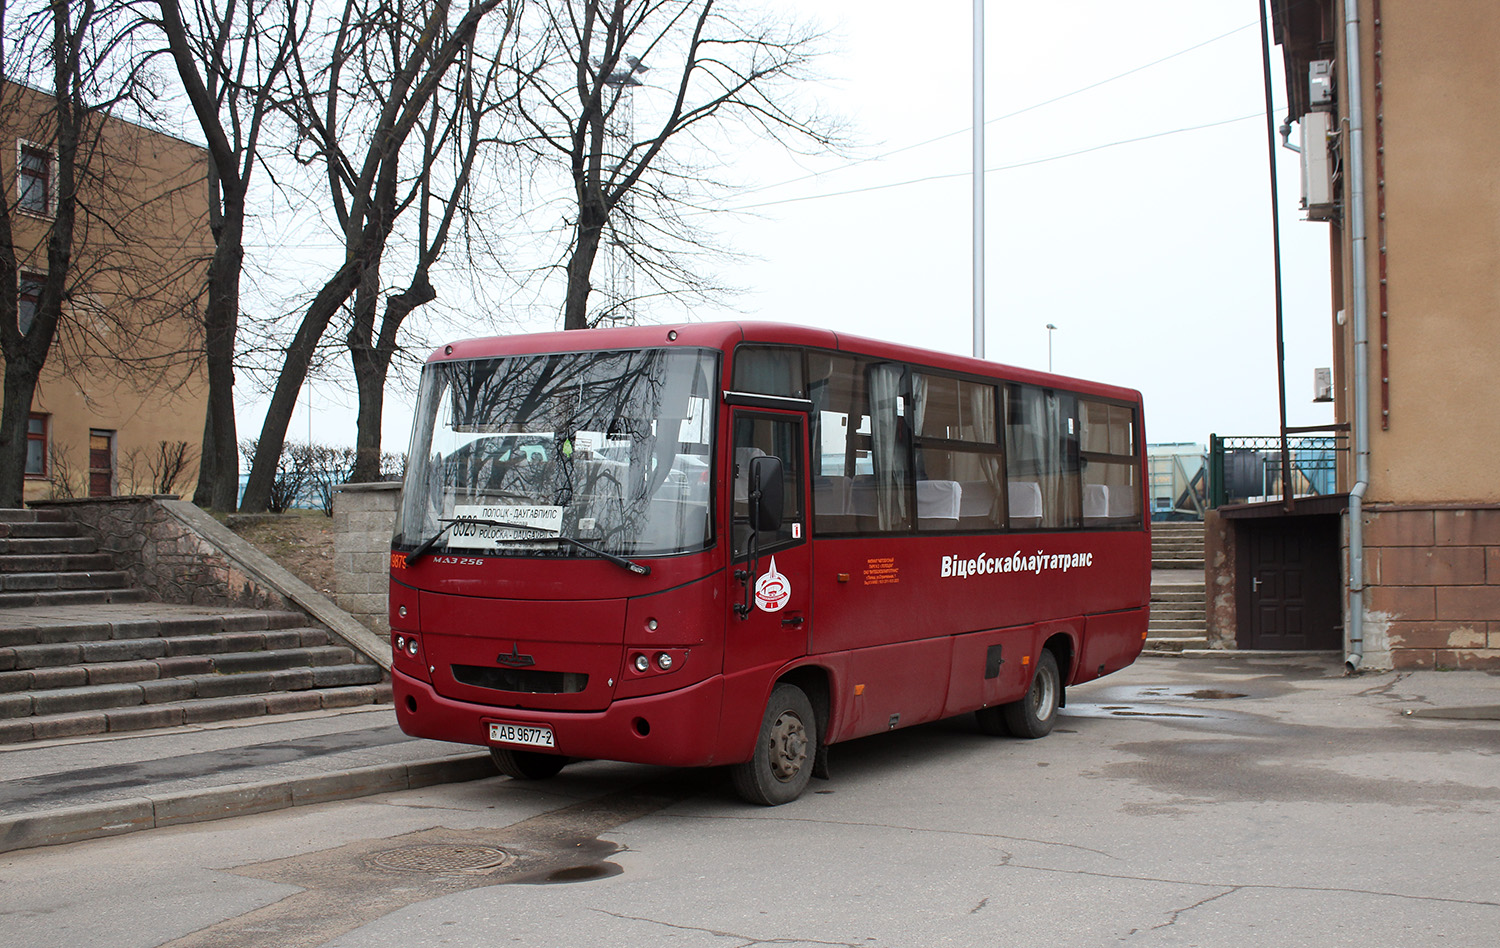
(164, 556)
(363, 516)
(1433, 578)
(1219, 566)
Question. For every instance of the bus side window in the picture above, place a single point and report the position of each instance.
(1041, 447)
(759, 436)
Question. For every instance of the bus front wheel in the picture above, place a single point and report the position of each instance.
(526, 765)
(784, 751)
(1034, 715)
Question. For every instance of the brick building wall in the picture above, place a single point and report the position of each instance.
(1434, 585)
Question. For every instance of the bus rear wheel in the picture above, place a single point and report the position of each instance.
(784, 751)
(526, 765)
(1034, 715)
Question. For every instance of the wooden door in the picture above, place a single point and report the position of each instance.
(1293, 585)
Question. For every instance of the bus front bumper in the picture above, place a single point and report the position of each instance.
(676, 729)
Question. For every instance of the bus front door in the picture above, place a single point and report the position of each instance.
(770, 580)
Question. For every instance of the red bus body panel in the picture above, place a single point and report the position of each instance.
(899, 629)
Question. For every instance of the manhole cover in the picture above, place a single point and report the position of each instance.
(442, 859)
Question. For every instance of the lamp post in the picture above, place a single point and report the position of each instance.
(1050, 330)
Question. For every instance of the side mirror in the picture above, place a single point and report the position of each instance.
(766, 495)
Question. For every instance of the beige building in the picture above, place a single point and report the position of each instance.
(120, 405)
(1396, 104)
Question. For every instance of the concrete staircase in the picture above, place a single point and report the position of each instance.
(1177, 545)
(1179, 617)
(82, 652)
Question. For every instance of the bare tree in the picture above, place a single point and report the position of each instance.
(82, 286)
(229, 56)
(358, 152)
(721, 69)
(453, 133)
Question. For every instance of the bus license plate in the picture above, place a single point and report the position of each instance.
(522, 734)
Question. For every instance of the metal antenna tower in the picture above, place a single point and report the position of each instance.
(619, 136)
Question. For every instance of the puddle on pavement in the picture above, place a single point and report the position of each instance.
(1149, 702)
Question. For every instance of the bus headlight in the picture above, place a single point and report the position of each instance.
(663, 661)
(642, 664)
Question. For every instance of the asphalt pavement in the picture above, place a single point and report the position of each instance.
(74, 789)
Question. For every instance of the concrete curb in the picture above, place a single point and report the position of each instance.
(117, 817)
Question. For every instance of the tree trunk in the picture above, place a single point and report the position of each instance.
(219, 461)
(371, 366)
(20, 387)
(591, 218)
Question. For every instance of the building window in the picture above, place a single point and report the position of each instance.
(34, 179)
(28, 293)
(36, 445)
(101, 463)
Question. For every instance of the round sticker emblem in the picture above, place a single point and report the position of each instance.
(772, 590)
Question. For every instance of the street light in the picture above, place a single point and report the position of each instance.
(1050, 330)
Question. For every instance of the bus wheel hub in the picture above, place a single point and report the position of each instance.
(788, 746)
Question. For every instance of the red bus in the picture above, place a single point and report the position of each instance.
(740, 543)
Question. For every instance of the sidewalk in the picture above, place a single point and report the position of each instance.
(107, 784)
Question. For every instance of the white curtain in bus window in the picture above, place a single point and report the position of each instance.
(1111, 494)
(957, 457)
(888, 493)
(1042, 462)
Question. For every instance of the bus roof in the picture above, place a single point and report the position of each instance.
(725, 335)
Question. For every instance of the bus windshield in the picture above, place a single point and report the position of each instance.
(514, 456)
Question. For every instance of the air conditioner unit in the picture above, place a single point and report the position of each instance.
(1322, 385)
(1317, 167)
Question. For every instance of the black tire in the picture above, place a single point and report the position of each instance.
(785, 751)
(1034, 715)
(526, 765)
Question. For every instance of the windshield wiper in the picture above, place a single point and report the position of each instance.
(640, 569)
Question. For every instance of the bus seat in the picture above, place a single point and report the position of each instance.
(1025, 503)
(976, 505)
(1123, 502)
(1095, 503)
(938, 504)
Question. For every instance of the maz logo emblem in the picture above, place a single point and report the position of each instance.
(515, 659)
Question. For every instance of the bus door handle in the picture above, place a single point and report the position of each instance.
(793, 621)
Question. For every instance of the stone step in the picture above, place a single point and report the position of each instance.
(1174, 644)
(1163, 624)
(89, 579)
(28, 515)
(43, 677)
(178, 713)
(37, 546)
(1170, 563)
(149, 649)
(46, 529)
(1179, 595)
(44, 702)
(55, 562)
(37, 629)
(71, 597)
(1179, 615)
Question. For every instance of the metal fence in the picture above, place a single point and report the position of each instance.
(1247, 469)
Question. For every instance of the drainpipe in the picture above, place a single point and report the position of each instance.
(1359, 427)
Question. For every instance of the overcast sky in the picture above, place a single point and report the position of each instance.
(1132, 212)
